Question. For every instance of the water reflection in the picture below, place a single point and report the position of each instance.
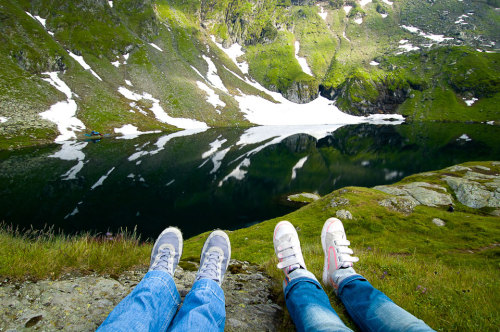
(226, 178)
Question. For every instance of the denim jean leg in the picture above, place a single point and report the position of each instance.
(309, 305)
(151, 306)
(203, 309)
(372, 310)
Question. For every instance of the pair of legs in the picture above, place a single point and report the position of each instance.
(306, 300)
(154, 302)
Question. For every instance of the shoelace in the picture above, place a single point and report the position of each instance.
(210, 268)
(345, 252)
(165, 260)
(286, 252)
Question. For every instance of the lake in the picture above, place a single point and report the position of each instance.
(218, 178)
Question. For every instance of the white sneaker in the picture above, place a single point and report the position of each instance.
(287, 248)
(336, 250)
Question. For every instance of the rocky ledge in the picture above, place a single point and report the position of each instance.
(81, 303)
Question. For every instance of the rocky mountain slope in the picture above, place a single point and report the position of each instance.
(143, 65)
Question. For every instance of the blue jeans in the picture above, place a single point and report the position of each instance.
(370, 309)
(153, 304)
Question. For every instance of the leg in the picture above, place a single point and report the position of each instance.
(149, 307)
(153, 303)
(204, 306)
(306, 301)
(370, 309)
(309, 305)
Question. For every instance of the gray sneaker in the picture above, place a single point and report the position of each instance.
(167, 251)
(214, 257)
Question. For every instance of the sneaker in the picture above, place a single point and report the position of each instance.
(287, 248)
(336, 250)
(215, 257)
(167, 251)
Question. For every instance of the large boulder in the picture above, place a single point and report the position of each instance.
(475, 194)
(419, 193)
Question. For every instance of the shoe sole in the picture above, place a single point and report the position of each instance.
(225, 236)
(179, 236)
(327, 224)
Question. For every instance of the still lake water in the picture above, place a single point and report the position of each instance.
(219, 178)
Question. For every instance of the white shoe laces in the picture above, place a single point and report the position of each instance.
(164, 260)
(286, 252)
(211, 266)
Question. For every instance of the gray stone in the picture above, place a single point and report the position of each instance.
(344, 214)
(339, 201)
(304, 197)
(484, 168)
(495, 213)
(473, 194)
(420, 193)
(403, 204)
(82, 303)
(458, 168)
(478, 176)
(438, 222)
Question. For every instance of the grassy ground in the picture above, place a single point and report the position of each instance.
(447, 276)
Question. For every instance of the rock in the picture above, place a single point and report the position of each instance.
(302, 92)
(420, 193)
(401, 204)
(495, 213)
(82, 303)
(344, 214)
(438, 222)
(339, 201)
(484, 168)
(458, 168)
(473, 194)
(304, 197)
(478, 176)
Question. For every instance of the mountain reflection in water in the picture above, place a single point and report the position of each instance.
(219, 178)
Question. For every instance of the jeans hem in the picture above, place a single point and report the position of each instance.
(348, 280)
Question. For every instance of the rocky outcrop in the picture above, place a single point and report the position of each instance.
(476, 190)
(301, 92)
(82, 303)
(419, 193)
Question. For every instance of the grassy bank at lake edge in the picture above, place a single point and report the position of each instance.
(447, 276)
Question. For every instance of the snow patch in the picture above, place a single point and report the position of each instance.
(41, 20)
(212, 97)
(347, 9)
(374, 63)
(436, 38)
(128, 82)
(116, 63)
(82, 63)
(130, 132)
(71, 150)
(384, 15)
(234, 52)
(302, 61)
(237, 173)
(465, 138)
(364, 2)
(297, 166)
(471, 102)
(101, 179)
(212, 75)
(63, 113)
(358, 20)
(390, 3)
(344, 35)
(162, 141)
(156, 46)
(159, 113)
(407, 48)
(3, 119)
(110, 3)
(214, 146)
(322, 12)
